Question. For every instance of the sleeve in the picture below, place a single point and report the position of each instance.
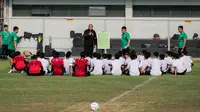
(14, 61)
(75, 62)
(15, 38)
(128, 36)
(185, 36)
(62, 62)
(95, 38)
(85, 35)
(52, 63)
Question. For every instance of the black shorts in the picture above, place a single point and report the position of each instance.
(11, 53)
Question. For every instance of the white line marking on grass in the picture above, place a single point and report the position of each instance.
(134, 88)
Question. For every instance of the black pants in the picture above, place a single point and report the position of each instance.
(182, 73)
(180, 49)
(4, 50)
(38, 74)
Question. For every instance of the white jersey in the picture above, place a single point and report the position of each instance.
(133, 67)
(179, 65)
(116, 67)
(155, 67)
(45, 64)
(144, 64)
(106, 63)
(127, 61)
(67, 63)
(122, 60)
(164, 65)
(168, 60)
(89, 60)
(92, 62)
(98, 67)
(187, 63)
(50, 58)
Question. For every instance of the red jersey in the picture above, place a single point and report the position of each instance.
(19, 62)
(34, 67)
(81, 65)
(57, 64)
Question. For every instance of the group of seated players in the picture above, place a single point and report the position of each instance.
(125, 62)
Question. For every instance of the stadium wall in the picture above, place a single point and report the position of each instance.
(59, 27)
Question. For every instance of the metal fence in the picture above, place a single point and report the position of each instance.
(59, 28)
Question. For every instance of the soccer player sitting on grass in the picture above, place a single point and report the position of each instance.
(133, 66)
(145, 65)
(97, 66)
(178, 65)
(81, 66)
(68, 63)
(57, 66)
(35, 67)
(19, 63)
(45, 62)
(164, 64)
(188, 63)
(155, 65)
(116, 64)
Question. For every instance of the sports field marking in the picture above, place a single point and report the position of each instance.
(127, 92)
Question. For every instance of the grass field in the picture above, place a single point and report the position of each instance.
(21, 93)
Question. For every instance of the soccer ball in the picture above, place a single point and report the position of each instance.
(94, 106)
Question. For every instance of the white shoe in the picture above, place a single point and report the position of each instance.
(22, 71)
(10, 71)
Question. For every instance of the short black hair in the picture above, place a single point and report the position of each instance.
(120, 53)
(98, 56)
(176, 56)
(124, 27)
(132, 52)
(168, 53)
(109, 56)
(133, 56)
(38, 54)
(117, 55)
(15, 28)
(144, 52)
(162, 56)
(82, 54)
(5, 26)
(125, 52)
(148, 54)
(104, 56)
(156, 54)
(184, 52)
(88, 54)
(34, 57)
(94, 55)
(17, 53)
(68, 54)
(180, 27)
(42, 55)
(57, 55)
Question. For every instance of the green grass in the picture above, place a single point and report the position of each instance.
(21, 93)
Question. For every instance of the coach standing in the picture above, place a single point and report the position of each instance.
(126, 40)
(90, 40)
(182, 40)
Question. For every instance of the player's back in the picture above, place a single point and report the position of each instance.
(67, 63)
(20, 62)
(57, 64)
(34, 66)
(116, 67)
(98, 65)
(81, 67)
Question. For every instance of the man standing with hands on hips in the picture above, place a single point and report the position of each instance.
(126, 40)
(182, 40)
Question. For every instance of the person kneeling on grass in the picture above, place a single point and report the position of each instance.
(19, 63)
(57, 66)
(81, 66)
(178, 65)
(35, 67)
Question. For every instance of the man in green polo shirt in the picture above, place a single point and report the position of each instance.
(5, 34)
(126, 40)
(12, 44)
(182, 40)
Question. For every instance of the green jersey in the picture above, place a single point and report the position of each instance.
(181, 39)
(13, 38)
(5, 36)
(125, 39)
